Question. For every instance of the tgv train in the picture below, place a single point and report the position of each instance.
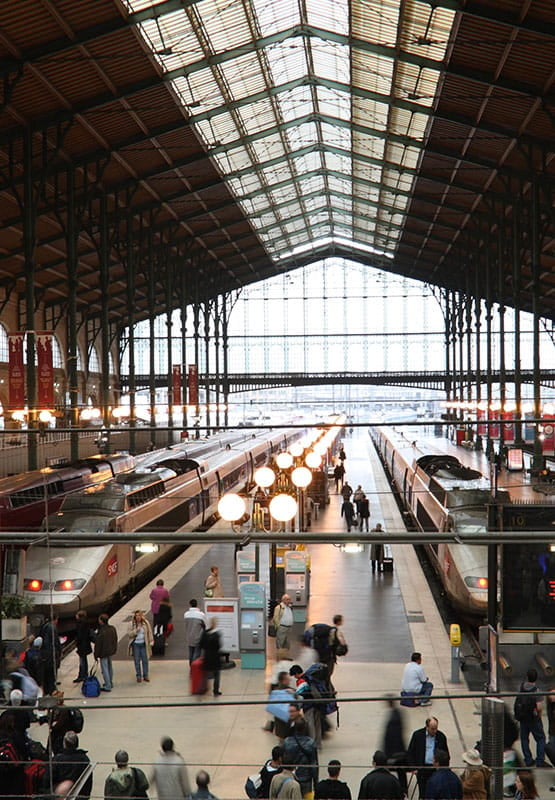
(167, 495)
(443, 495)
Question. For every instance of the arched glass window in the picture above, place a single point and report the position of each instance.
(94, 363)
(57, 360)
(4, 355)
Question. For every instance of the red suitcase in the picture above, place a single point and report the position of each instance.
(198, 677)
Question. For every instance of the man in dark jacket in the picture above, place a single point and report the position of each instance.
(380, 784)
(443, 784)
(84, 647)
(332, 788)
(422, 747)
(105, 646)
(70, 763)
(50, 653)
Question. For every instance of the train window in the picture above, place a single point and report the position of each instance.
(27, 496)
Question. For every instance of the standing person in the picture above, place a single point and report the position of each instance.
(210, 643)
(348, 511)
(376, 551)
(125, 781)
(443, 784)
(380, 784)
(51, 653)
(422, 747)
(284, 785)
(84, 647)
(283, 621)
(528, 711)
(342, 455)
(363, 512)
(157, 595)
(338, 475)
(358, 494)
(301, 750)
(415, 684)
(33, 661)
(170, 773)
(70, 763)
(203, 782)
(475, 778)
(212, 584)
(140, 644)
(394, 745)
(195, 625)
(331, 788)
(105, 646)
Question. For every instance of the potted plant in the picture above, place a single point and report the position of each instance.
(13, 611)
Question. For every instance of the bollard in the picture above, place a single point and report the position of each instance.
(455, 639)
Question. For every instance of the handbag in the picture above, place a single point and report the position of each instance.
(208, 592)
(272, 630)
(341, 649)
(91, 686)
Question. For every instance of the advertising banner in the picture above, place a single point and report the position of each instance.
(548, 444)
(176, 385)
(508, 426)
(16, 370)
(45, 370)
(193, 385)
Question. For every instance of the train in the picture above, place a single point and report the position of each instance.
(169, 494)
(441, 494)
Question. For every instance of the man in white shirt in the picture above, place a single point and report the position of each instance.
(283, 620)
(195, 625)
(415, 684)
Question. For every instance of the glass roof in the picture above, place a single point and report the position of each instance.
(315, 111)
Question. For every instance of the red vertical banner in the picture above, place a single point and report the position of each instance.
(176, 385)
(482, 427)
(494, 427)
(16, 370)
(45, 370)
(193, 385)
(508, 426)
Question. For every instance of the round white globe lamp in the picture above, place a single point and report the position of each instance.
(284, 460)
(231, 507)
(264, 477)
(313, 460)
(301, 477)
(283, 507)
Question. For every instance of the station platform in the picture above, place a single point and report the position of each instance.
(386, 617)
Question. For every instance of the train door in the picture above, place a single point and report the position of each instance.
(12, 564)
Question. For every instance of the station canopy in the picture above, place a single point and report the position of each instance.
(256, 136)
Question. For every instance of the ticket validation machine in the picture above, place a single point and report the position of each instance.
(297, 583)
(252, 625)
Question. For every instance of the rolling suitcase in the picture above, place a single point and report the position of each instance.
(387, 563)
(198, 677)
(159, 646)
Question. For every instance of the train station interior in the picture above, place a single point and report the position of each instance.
(236, 231)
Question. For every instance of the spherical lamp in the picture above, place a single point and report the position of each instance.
(313, 460)
(231, 507)
(283, 507)
(301, 477)
(284, 460)
(296, 449)
(264, 477)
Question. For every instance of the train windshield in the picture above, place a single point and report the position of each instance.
(468, 498)
(95, 501)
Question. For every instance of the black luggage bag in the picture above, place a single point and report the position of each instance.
(159, 646)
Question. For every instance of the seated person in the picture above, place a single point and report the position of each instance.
(415, 687)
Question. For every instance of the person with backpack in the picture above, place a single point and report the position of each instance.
(32, 660)
(300, 750)
(258, 785)
(106, 646)
(284, 785)
(528, 712)
(125, 781)
(70, 763)
(12, 766)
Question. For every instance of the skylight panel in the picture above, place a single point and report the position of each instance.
(276, 15)
(332, 15)
(287, 60)
(333, 103)
(330, 59)
(225, 23)
(308, 162)
(311, 184)
(302, 135)
(339, 163)
(294, 103)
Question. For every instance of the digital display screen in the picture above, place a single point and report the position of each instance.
(250, 619)
(528, 587)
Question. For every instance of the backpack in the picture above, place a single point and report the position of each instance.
(525, 707)
(321, 637)
(77, 719)
(320, 687)
(35, 778)
(252, 785)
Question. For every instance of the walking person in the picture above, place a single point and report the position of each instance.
(348, 511)
(195, 625)
(475, 778)
(157, 595)
(346, 491)
(50, 653)
(210, 643)
(125, 781)
(528, 712)
(170, 773)
(213, 584)
(141, 640)
(420, 754)
(363, 512)
(105, 646)
(358, 494)
(376, 551)
(338, 475)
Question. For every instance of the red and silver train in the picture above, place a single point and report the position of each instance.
(443, 495)
(167, 495)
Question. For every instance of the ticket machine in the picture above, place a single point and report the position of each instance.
(252, 625)
(297, 582)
